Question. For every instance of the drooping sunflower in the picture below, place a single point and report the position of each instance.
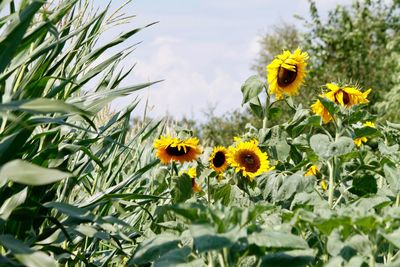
(247, 158)
(345, 96)
(174, 149)
(286, 73)
(219, 159)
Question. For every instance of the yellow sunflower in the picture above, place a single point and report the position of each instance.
(345, 96)
(324, 185)
(369, 124)
(174, 149)
(218, 159)
(358, 141)
(247, 158)
(319, 109)
(312, 171)
(286, 73)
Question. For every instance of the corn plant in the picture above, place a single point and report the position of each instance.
(66, 175)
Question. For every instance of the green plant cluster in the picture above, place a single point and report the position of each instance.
(65, 174)
(286, 217)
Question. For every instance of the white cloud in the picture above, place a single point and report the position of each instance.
(190, 86)
(205, 56)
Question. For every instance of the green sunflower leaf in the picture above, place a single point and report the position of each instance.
(251, 88)
(365, 132)
(182, 189)
(152, 248)
(392, 176)
(364, 185)
(329, 105)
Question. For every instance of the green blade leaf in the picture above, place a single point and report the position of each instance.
(12, 37)
(11, 203)
(23, 172)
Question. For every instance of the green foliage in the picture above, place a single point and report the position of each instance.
(356, 43)
(81, 188)
(220, 130)
(64, 174)
(280, 37)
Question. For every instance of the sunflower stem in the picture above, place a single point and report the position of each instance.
(208, 190)
(331, 185)
(266, 109)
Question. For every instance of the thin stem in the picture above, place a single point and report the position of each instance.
(372, 260)
(331, 185)
(221, 259)
(266, 109)
(340, 197)
(265, 121)
(208, 190)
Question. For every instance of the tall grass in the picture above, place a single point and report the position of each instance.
(67, 175)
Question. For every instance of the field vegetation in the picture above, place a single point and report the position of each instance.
(288, 183)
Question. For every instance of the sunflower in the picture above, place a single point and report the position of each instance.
(369, 124)
(218, 159)
(286, 73)
(320, 110)
(247, 158)
(312, 171)
(358, 141)
(345, 96)
(174, 149)
(192, 173)
(324, 185)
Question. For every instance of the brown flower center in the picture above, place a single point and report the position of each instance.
(219, 159)
(175, 151)
(346, 98)
(286, 77)
(250, 161)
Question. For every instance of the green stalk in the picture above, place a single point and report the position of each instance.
(331, 185)
(266, 109)
(208, 190)
(371, 261)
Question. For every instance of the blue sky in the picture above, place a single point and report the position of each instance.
(202, 49)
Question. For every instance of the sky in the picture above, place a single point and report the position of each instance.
(202, 50)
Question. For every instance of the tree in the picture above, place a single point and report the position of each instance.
(282, 37)
(356, 45)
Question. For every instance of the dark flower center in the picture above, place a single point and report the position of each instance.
(346, 98)
(286, 77)
(175, 151)
(219, 159)
(250, 161)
